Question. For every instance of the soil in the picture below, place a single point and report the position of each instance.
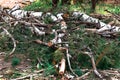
(6, 64)
(12, 3)
(112, 1)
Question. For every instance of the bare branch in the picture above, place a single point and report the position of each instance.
(29, 76)
(90, 54)
(14, 42)
(83, 76)
(68, 59)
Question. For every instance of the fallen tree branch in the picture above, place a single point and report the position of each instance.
(102, 54)
(104, 29)
(68, 59)
(36, 24)
(90, 54)
(83, 22)
(29, 76)
(113, 72)
(102, 26)
(83, 76)
(90, 30)
(37, 31)
(19, 14)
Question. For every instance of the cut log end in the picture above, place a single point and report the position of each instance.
(62, 67)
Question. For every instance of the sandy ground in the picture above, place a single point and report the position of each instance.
(12, 3)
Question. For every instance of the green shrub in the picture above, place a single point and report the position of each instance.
(15, 61)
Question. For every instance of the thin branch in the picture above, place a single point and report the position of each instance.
(102, 54)
(83, 76)
(36, 24)
(68, 59)
(14, 42)
(29, 76)
(90, 54)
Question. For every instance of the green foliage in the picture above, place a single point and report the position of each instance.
(78, 39)
(50, 69)
(15, 75)
(102, 7)
(5, 45)
(58, 55)
(39, 5)
(15, 61)
(84, 6)
(97, 44)
(78, 71)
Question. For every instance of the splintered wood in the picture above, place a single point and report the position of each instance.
(62, 67)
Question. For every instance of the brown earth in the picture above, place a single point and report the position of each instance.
(12, 3)
(22, 3)
(6, 64)
(112, 1)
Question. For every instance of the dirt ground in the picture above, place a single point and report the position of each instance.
(22, 3)
(6, 64)
(12, 3)
(112, 1)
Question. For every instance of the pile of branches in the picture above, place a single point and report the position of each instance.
(35, 21)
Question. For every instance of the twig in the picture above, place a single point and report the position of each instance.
(14, 42)
(49, 44)
(90, 54)
(36, 24)
(39, 32)
(113, 72)
(68, 59)
(83, 76)
(29, 76)
(82, 22)
(102, 54)
(90, 30)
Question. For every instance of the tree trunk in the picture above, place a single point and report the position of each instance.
(54, 3)
(64, 2)
(93, 5)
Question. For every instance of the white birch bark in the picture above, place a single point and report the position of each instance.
(103, 26)
(17, 13)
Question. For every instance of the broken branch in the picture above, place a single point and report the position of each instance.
(14, 42)
(62, 67)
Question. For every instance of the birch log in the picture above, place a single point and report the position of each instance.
(18, 13)
(62, 67)
(102, 26)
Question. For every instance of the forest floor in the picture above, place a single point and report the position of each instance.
(12, 3)
(24, 70)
